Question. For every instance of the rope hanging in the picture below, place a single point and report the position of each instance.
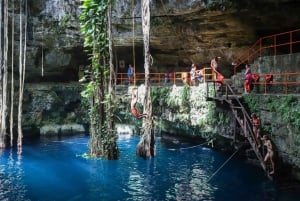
(133, 43)
(42, 49)
(222, 165)
(199, 145)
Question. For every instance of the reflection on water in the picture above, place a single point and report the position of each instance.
(12, 176)
(53, 170)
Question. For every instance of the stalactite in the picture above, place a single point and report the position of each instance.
(5, 73)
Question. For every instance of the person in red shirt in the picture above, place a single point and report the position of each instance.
(248, 80)
(134, 110)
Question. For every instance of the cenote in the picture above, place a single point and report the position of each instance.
(54, 170)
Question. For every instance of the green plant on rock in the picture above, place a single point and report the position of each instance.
(173, 100)
(222, 117)
(65, 21)
(217, 4)
(287, 108)
(252, 102)
(267, 128)
(159, 96)
(185, 97)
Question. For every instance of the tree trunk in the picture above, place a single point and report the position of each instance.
(146, 146)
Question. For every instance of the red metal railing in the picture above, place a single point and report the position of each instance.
(282, 43)
(161, 79)
(287, 83)
(282, 83)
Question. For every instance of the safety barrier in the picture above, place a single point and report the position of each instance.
(281, 83)
(282, 43)
(162, 79)
(286, 83)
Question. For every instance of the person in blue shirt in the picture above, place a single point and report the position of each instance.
(130, 74)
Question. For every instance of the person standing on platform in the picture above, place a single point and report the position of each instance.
(193, 75)
(130, 74)
(214, 65)
(248, 85)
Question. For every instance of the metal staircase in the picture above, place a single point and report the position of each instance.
(226, 93)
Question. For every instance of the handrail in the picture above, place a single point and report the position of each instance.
(281, 81)
(272, 43)
(164, 78)
(245, 123)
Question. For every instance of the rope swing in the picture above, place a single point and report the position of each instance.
(182, 148)
(222, 165)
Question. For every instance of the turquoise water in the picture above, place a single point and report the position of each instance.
(53, 170)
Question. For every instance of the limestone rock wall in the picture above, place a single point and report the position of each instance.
(189, 31)
(182, 32)
(54, 43)
(53, 109)
(280, 120)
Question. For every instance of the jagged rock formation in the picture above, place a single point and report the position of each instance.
(54, 42)
(189, 31)
(182, 31)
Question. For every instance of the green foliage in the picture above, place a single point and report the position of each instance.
(253, 103)
(185, 97)
(60, 27)
(217, 4)
(160, 95)
(287, 108)
(94, 27)
(267, 128)
(179, 99)
(211, 114)
(64, 22)
(222, 117)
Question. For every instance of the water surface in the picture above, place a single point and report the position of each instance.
(54, 170)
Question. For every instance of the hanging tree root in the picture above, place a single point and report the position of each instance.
(143, 150)
(146, 146)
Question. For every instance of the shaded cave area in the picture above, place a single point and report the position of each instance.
(52, 69)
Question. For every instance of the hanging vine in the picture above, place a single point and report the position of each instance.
(146, 145)
(11, 120)
(98, 92)
(4, 77)
(22, 62)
